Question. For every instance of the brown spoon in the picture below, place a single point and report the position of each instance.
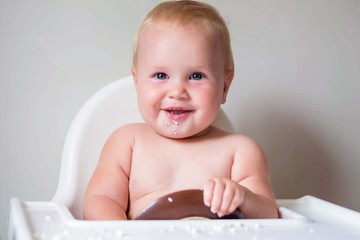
(181, 205)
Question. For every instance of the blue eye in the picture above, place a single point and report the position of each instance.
(196, 76)
(161, 76)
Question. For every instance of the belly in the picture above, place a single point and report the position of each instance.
(139, 202)
(147, 183)
(137, 205)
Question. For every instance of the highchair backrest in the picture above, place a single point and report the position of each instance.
(109, 108)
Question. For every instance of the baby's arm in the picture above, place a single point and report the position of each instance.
(249, 187)
(106, 196)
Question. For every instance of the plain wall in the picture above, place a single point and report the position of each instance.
(296, 89)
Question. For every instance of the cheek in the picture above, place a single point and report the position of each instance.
(142, 98)
(211, 96)
(148, 99)
(145, 93)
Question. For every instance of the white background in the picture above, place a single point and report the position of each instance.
(296, 90)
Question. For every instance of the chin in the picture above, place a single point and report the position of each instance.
(176, 136)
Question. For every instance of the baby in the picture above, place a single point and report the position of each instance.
(182, 70)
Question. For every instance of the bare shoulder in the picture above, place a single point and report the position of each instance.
(246, 146)
(249, 159)
(240, 143)
(119, 145)
(127, 130)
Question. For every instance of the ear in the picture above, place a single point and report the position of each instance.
(227, 82)
(133, 73)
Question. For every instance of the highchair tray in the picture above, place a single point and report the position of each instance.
(304, 218)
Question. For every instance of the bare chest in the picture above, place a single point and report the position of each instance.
(160, 169)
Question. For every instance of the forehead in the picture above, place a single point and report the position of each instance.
(158, 30)
(171, 45)
(179, 37)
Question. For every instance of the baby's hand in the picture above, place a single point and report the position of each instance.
(223, 195)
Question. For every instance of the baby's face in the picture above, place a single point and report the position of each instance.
(180, 79)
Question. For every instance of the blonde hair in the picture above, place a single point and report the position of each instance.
(186, 12)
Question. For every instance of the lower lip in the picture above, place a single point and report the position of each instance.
(177, 117)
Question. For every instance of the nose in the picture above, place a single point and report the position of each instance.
(178, 90)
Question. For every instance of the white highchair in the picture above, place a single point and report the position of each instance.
(111, 107)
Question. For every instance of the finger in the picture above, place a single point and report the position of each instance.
(208, 190)
(238, 199)
(217, 196)
(227, 201)
(233, 206)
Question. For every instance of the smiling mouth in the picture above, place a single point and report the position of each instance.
(177, 113)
